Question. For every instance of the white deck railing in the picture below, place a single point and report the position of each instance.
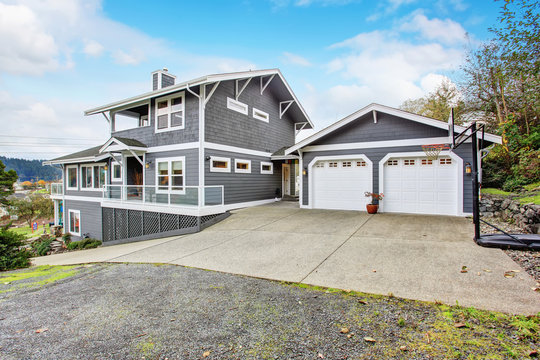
(188, 196)
(57, 189)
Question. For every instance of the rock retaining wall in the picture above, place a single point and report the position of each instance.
(527, 216)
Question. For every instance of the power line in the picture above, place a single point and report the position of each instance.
(44, 145)
(49, 138)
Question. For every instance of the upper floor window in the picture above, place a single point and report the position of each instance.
(242, 166)
(170, 113)
(261, 115)
(237, 106)
(92, 177)
(71, 174)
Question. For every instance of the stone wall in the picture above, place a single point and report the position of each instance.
(527, 216)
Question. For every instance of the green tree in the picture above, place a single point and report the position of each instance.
(7, 179)
(438, 103)
(12, 255)
(32, 207)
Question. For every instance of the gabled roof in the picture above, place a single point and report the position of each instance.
(88, 155)
(208, 79)
(121, 143)
(387, 110)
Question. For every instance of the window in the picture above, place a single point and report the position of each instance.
(143, 121)
(242, 166)
(237, 106)
(220, 164)
(408, 162)
(392, 163)
(170, 174)
(346, 164)
(74, 222)
(332, 164)
(427, 162)
(319, 164)
(261, 115)
(116, 172)
(71, 174)
(92, 177)
(170, 113)
(445, 161)
(361, 163)
(267, 167)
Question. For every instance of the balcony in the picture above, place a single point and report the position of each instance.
(57, 189)
(199, 200)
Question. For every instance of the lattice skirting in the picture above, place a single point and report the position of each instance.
(122, 225)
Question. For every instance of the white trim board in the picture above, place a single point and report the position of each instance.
(454, 157)
(387, 110)
(335, 157)
(163, 148)
(378, 144)
(234, 149)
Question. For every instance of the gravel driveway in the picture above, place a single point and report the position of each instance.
(144, 311)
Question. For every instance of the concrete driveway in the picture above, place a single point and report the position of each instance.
(410, 256)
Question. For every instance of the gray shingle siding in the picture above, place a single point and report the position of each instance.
(229, 127)
(376, 155)
(148, 136)
(166, 80)
(90, 220)
(388, 127)
(155, 79)
(191, 166)
(241, 187)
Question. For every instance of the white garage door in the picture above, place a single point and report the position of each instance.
(422, 186)
(340, 184)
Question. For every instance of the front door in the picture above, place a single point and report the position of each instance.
(286, 179)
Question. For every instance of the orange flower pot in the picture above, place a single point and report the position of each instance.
(372, 209)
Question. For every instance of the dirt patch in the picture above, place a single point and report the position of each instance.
(144, 311)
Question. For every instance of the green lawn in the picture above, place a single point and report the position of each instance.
(27, 231)
(530, 199)
(493, 191)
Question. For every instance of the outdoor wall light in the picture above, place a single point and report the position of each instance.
(207, 158)
(147, 165)
(468, 169)
(304, 171)
(106, 167)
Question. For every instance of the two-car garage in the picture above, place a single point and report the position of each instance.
(411, 184)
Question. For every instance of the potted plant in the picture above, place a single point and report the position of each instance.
(372, 207)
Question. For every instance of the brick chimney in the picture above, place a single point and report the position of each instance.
(161, 79)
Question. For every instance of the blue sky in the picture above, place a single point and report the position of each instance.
(59, 58)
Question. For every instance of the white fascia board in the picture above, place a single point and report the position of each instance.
(74, 160)
(384, 109)
(285, 157)
(234, 149)
(378, 144)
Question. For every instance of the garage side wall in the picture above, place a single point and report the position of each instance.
(376, 155)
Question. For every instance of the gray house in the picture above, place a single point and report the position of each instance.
(195, 150)
(379, 149)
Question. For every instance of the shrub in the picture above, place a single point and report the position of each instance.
(11, 254)
(43, 246)
(84, 244)
(72, 245)
(67, 238)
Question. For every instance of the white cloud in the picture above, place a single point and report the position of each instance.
(446, 31)
(296, 59)
(27, 48)
(93, 48)
(123, 58)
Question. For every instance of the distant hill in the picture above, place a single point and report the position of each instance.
(31, 170)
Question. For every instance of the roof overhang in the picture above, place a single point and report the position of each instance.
(116, 145)
(387, 110)
(209, 79)
(285, 157)
(77, 160)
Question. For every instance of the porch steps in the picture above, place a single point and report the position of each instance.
(289, 198)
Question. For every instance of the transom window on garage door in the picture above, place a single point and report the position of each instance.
(408, 162)
(392, 163)
(445, 161)
(333, 164)
(346, 164)
(319, 164)
(361, 163)
(427, 162)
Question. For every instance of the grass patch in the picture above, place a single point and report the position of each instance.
(530, 199)
(38, 276)
(532, 186)
(493, 191)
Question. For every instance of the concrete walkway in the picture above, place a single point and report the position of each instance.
(410, 256)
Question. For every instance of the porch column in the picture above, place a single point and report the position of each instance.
(55, 202)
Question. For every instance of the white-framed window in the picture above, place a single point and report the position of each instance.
(427, 162)
(267, 167)
(319, 164)
(74, 221)
(445, 161)
(72, 177)
(261, 115)
(242, 166)
(93, 177)
(408, 162)
(170, 112)
(116, 171)
(392, 162)
(220, 164)
(346, 164)
(333, 164)
(361, 163)
(170, 174)
(237, 106)
(144, 121)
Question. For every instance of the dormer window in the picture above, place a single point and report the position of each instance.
(170, 113)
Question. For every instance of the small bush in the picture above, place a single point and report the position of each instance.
(43, 246)
(67, 238)
(84, 244)
(11, 254)
(72, 245)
